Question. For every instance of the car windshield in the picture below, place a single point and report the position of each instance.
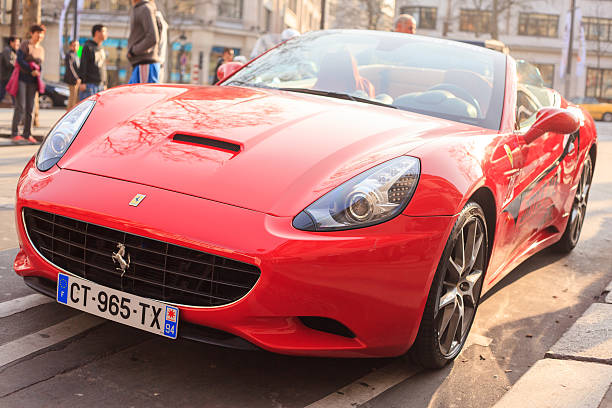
(440, 78)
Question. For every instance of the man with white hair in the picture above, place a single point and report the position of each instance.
(405, 23)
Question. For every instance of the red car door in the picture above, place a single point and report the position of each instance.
(539, 202)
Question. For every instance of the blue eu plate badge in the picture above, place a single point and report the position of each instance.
(62, 288)
(170, 323)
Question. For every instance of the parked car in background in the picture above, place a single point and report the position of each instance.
(56, 94)
(598, 110)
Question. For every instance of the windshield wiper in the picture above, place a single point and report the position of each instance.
(247, 84)
(337, 95)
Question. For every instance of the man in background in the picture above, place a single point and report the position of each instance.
(93, 63)
(405, 23)
(228, 56)
(71, 76)
(143, 43)
(7, 64)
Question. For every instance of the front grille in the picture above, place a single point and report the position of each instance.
(157, 270)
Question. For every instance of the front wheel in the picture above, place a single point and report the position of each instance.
(607, 117)
(571, 235)
(455, 291)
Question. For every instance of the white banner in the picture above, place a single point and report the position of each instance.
(78, 22)
(581, 59)
(62, 20)
(566, 35)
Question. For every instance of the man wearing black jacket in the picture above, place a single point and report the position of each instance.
(7, 63)
(93, 63)
(71, 76)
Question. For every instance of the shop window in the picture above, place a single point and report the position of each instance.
(230, 9)
(597, 29)
(539, 25)
(599, 84)
(179, 63)
(476, 21)
(119, 5)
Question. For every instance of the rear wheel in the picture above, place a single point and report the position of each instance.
(571, 235)
(607, 117)
(45, 102)
(455, 291)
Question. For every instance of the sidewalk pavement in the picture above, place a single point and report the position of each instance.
(577, 371)
(47, 118)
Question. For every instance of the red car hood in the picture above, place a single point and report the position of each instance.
(293, 147)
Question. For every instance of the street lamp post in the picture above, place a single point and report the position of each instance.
(570, 52)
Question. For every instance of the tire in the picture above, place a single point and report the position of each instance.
(571, 235)
(45, 102)
(457, 285)
(607, 117)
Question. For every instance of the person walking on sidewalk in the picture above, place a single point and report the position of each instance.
(405, 23)
(143, 43)
(228, 56)
(7, 64)
(30, 57)
(71, 76)
(92, 70)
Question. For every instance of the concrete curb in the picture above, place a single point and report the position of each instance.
(577, 371)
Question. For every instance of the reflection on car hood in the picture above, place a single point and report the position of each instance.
(293, 148)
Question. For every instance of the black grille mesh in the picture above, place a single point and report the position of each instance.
(157, 269)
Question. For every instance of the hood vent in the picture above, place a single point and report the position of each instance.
(206, 141)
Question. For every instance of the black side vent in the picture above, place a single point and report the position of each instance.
(206, 141)
(327, 325)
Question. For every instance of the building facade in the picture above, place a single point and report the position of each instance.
(533, 31)
(360, 14)
(198, 32)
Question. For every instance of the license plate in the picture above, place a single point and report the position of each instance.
(142, 313)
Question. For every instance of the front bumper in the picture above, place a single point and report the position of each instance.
(373, 280)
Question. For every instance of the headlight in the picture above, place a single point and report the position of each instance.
(61, 136)
(372, 197)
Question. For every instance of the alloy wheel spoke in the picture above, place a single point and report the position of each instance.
(451, 331)
(454, 271)
(473, 279)
(447, 314)
(470, 246)
(448, 298)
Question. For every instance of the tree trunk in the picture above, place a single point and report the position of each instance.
(15, 17)
(31, 15)
(494, 20)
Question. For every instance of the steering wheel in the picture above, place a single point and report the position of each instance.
(460, 93)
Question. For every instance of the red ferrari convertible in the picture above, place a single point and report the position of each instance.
(348, 194)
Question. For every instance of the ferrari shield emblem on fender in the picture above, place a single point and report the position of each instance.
(509, 154)
(137, 199)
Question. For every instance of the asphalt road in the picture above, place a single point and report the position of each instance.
(51, 355)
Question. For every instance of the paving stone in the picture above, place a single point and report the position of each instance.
(589, 339)
(608, 289)
(560, 384)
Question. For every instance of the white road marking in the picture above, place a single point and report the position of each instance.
(10, 307)
(369, 386)
(44, 338)
(377, 382)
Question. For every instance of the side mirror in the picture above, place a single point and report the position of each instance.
(552, 120)
(227, 69)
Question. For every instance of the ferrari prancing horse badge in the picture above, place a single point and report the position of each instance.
(137, 199)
